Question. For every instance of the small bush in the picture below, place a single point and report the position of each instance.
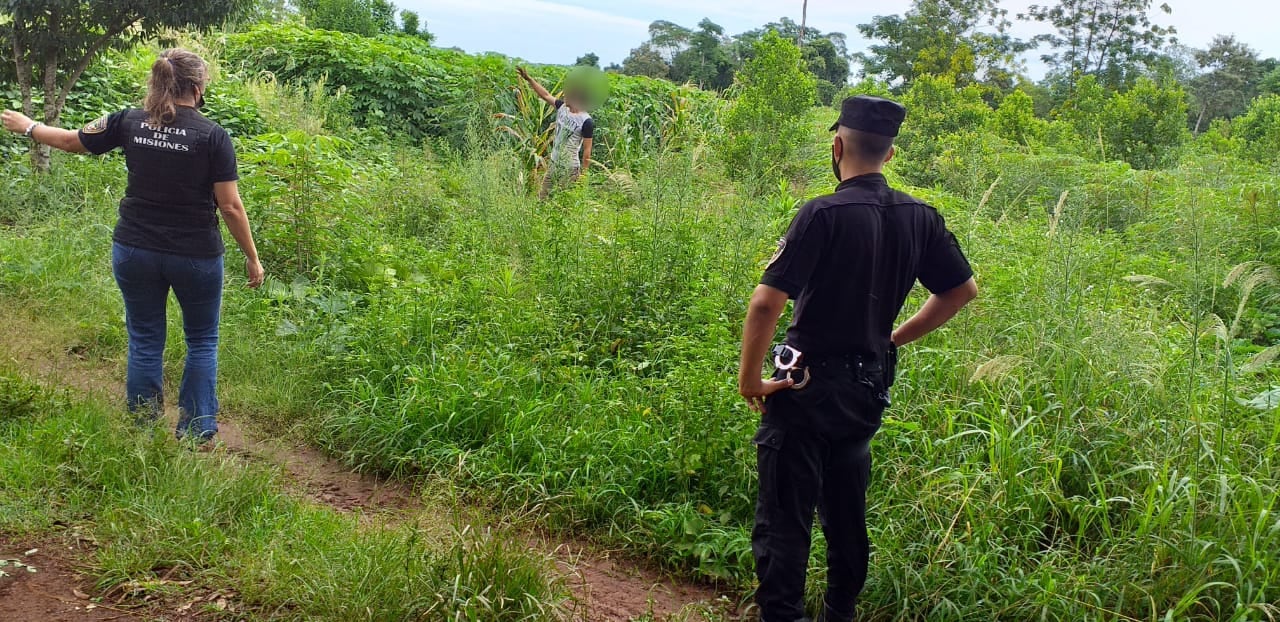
(766, 123)
(1259, 130)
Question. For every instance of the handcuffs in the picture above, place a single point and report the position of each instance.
(786, 359)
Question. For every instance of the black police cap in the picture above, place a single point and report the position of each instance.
(873, 115)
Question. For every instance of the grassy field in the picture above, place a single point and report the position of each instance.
(159, 510)
(1093, 440)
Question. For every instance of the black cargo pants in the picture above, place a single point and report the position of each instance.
(814, 451)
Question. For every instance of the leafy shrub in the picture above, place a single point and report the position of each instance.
(362, 17)
(390, 83)
(865, 86)
(1015, 120)
(297, 194)
(765, 124)
(936, 109)
(1146, 125)
(1259, 130)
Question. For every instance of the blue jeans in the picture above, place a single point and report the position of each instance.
(145, 278)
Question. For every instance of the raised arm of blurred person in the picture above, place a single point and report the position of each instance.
(542, 92)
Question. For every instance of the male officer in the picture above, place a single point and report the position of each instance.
(849, 259)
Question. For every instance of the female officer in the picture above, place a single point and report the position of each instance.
(182, 171)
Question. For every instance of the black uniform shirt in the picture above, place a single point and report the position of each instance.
(849, 260)
(168, 205)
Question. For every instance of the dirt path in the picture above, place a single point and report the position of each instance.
(606, 587)
(38, 582)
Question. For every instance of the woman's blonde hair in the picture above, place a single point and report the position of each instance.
(175, 74)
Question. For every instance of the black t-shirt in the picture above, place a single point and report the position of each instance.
(849, 260)
(168, 205)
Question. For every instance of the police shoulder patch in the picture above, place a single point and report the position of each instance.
(782, 246)
(98, 126)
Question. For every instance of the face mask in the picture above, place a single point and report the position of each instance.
(200, 102)
(835, 164)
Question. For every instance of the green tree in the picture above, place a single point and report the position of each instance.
(669, 38)
(1258, 130)
(54, 41)
(1143, 126)
(361, 17)
(937, 112)
(411, 25)
(705, 62)
(266, 11)
(1230, 82)
(825, 54)
(1112, 39)
(653, 58)
(646, 60)
(1015, 120)
(968, 40)
(1146, 125)
(590, 59)
(765, 125)
(1270, 83)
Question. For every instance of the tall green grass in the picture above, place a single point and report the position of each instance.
(157, 509)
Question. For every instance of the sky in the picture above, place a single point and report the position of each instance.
(559, 31)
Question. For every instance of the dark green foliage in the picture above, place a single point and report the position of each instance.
(361, 17)
(67, 35)
(417, 91)
(705, 63)
(708, 58)
(1270, 83)
(590, 59)
(392, 82)
(1258, 131)
(646, 61)
(409, 23)
(1230, 80)
(826, 54)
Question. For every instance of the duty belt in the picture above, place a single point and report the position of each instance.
(866, 369)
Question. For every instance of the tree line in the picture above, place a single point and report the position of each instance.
(1114, 43)
(1117, 42)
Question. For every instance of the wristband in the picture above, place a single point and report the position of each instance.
(31, 129)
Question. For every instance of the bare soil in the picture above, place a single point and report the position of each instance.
(606, 586)
(54, 592)
(47, 584)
